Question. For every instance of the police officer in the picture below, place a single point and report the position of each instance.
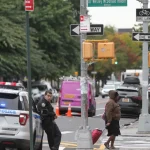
(48, 116)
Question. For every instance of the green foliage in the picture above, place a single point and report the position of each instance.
(53, 51)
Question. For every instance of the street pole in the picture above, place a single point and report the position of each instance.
(29, 79)
(144, 119)
(84, 85)
(83, 135)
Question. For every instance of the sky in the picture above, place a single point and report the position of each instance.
(119, 17)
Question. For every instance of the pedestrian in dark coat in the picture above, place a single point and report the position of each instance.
(113, 115)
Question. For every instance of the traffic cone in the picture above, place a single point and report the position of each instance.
(69, 114)
(57, 109)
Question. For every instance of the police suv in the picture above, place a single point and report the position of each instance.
(14, 121)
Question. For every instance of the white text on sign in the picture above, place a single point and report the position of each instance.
(95, 29)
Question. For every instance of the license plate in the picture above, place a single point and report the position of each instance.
(69, 96)
(125, 100)
(66, 103)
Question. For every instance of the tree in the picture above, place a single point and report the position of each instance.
(53, 35)
(53, 50)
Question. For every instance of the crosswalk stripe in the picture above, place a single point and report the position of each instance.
(61, 148)
(102, 147)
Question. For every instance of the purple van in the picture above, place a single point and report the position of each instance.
(70, 93)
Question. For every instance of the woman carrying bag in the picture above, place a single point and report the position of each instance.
(112, 117)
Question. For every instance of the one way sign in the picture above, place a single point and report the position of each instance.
(140, 36)
(74, 29)
(96, 29)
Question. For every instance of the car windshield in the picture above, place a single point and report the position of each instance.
(10, 101)
(35, 91)
(127, 92)
(40, 87)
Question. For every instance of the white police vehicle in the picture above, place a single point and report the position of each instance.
(14, 122)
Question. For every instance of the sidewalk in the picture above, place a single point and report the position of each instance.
(129, 139)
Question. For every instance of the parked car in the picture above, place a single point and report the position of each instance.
(42, 86)
(70, 93)
(130, 99)
(105, 90)
(55, 95)
(36, 95)
(14, 118)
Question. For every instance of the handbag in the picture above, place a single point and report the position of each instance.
(104, 116)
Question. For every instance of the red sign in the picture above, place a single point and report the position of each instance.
(81, 18)
(29, 5)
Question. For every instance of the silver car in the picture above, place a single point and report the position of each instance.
(14, 122)
(106, 89)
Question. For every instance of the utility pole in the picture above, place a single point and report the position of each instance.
(144, 119)
(84, 139)
(29, 6)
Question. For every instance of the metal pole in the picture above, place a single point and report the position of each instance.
(84, 113)
(144, 119)
(83, 135)
(29, 79)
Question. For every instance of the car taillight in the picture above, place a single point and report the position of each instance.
(23, 119)
(137, 98)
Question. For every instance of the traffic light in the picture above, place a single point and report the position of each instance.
(149, 59)
(114, 61)
(106, 50)
(87, 50)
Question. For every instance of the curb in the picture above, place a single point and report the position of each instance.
(128, 124)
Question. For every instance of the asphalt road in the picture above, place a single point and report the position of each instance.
(69, 125)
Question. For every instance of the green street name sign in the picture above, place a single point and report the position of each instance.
(106, 3)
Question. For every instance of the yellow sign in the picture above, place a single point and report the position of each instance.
(66, 103)
(69, 96)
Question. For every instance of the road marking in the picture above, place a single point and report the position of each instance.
(100, 102)
(66, 132)
(99, 115)
(102, 147)
(100, 109)
(61, 148)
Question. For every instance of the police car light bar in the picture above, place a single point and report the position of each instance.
(11, 83)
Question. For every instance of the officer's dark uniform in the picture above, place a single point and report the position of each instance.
(47, 114)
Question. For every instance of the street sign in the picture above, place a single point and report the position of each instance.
(29, 5)
(84, 24)
(96, 29)
(74, 29)
(107, 3)
(142, 15)
(141, 36)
